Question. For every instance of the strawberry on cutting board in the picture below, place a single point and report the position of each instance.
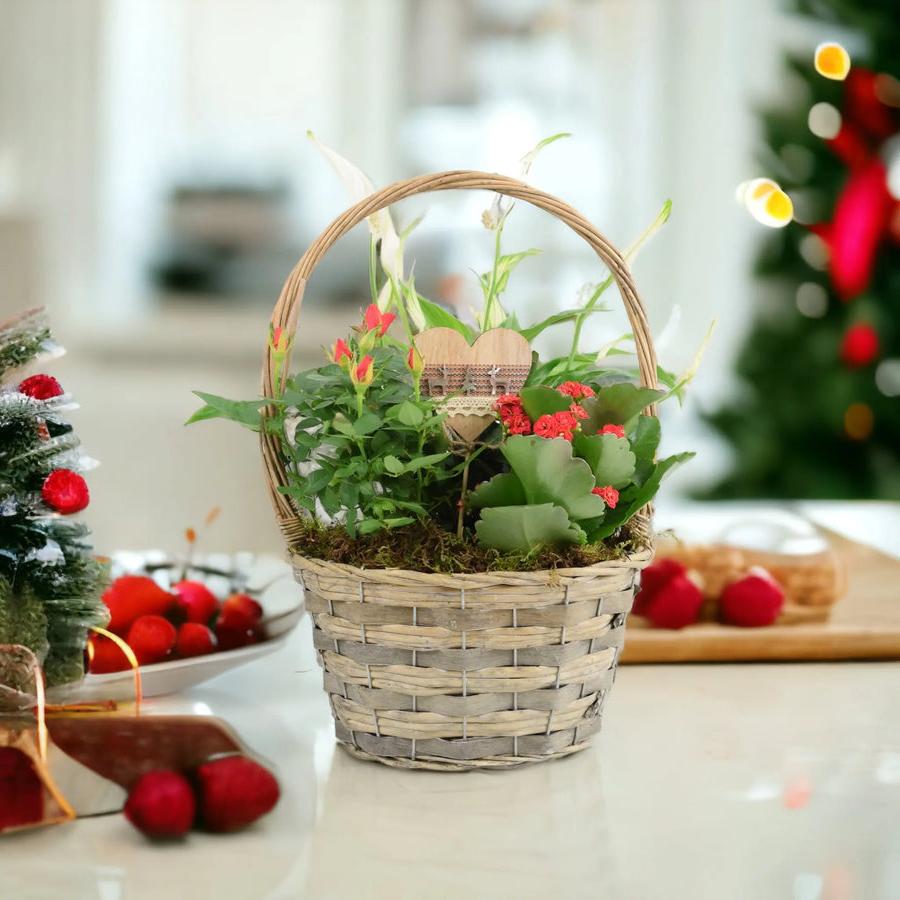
(234, 792)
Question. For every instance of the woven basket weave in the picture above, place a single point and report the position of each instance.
(456, 672)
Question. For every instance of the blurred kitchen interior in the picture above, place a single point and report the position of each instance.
(156, 186)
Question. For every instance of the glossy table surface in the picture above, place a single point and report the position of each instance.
(716, 781)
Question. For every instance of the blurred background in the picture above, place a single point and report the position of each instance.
(156, 186)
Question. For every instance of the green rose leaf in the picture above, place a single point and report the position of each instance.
(367, 423)
(244, 412)
(543, 401)
(609, 457)
(550, 474)
(526, 528)
(618, 404)
(423, 462)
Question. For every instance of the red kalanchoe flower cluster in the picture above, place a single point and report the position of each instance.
(41, 387)
(578, 411)
(608, 494)
(576, 390)
(512, 414)
(617, 430)
(375, 319)
(561, 424)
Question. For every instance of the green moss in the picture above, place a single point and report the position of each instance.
(426, 547)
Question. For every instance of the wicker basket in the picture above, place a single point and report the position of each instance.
(456, 672)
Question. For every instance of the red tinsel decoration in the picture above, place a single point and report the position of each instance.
(860, 221)
(860, 345)
(65, 491)
(41, 387)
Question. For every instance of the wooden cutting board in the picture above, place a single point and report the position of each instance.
(865, 624)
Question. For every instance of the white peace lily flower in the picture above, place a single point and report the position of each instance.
(381, 225)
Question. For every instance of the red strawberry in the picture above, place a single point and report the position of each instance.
(152, 639)
(194, 639)
(240, 611)
(753, 601)
(652, 579)
(105, 656)
(161, 805)
(234, 792)
(131, 596)
(675, 603)
(196, 601)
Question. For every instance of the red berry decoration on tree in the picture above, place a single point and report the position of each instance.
(41, 387)
(65, 491)
(162, 805)
(753, 601)
(668, 598)
(860, 345)
(234, 792)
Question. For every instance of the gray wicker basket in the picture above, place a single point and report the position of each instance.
(480, 670)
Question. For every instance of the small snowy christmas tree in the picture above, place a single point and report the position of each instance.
(49, 582)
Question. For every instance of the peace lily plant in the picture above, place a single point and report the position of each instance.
(565, 465)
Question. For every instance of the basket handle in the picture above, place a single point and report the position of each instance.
(287, 309)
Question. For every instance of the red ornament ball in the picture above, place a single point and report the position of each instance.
(65, 491)
(860, 345)
(41, 387)
(234, 792)
(162, 805)
(753, 601)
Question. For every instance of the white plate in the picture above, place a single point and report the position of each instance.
(266, 578)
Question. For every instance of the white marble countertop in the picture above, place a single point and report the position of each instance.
(715, 781)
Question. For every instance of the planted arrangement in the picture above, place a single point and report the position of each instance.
(467, 518)
(409, 447)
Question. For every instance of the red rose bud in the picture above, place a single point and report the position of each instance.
(234, 792)
(341, 352)
(608, 494)
(195, 601)
(279, 340)
(414, 361)
(860, 345)
(161, 805)
(194, 639)
(753, 601)
(363, 374)
(41, 387)
(152, 639)
(617, 430)
(65, 491)
(375, 320)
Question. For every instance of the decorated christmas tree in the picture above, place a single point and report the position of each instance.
(49, 581)
(818, 414)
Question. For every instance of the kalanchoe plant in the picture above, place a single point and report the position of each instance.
(569, 461)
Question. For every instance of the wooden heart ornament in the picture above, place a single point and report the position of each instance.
(471, 377)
